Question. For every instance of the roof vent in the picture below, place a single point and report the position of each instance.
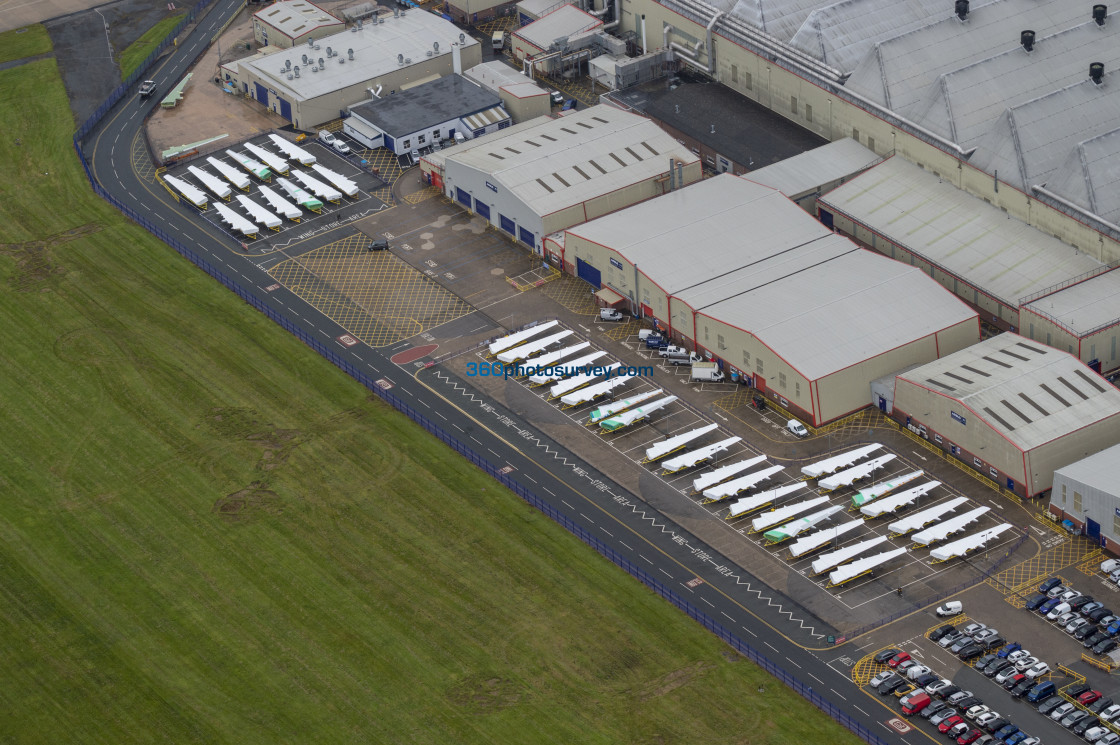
(462, 38)
(962, 9)
(329, 52)
(1096, 72)
(429, 53)
(311, 43)
(1100, 12)
(408, 60)
(350, 53)
(321, 62)
(289, 76)
(287, 64)
(435, 46)
(314, 68)
(1026, 38)
(713, 130)
(296, 70)
(342, 60)
(305, 59)
(400, 59)
(360, 24)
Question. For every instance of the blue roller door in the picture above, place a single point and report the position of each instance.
(463, 197)
(527, 237)
(507, 225)
(482, 209)
(588, 273)
(285, 109)
(262, 93)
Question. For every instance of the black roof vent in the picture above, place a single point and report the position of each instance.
(1096, 72)
(1100, 12)
(962, 9)
(1026, 38)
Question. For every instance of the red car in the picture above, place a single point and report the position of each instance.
(1088, 697)
(898, 659)
(949, 723)
(969, 737)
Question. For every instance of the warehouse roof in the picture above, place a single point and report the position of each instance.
(1097, 470)
(497, 75)
(565, 21)
(1085, 306)
(427, 105)
(536, 8)
(756, 261)
(376, 48)
(296, 18)
(1028, 392)
(822, 165)
(550, 164)
(964, 235)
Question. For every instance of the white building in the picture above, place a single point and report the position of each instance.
(290, 22)
(1088, 494)
(521, 97)
(544, 175)
(420, 117)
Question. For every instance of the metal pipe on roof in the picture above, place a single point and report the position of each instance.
(708, 49)
(645, 48)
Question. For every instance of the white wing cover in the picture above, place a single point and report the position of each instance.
(281, 205)
(293, 151)
(235, 221)
(259, 213)
(747, 505)
(895, 502)
(577, 381)
(524, 351)
(592, 392)
(856, 568)
(663, 448)
(345, 185)
(510, 340)
(555, 372)
(833, 559)
(231, 174)
(210, 181)
(275, 162)
(837, 462)
(967, 544)
(317, 187)
(855, 473)
(712, 478)
(921, 519)
(813, 541)
(780, 515)
(190, 192)
(694, 457)
(941, 531)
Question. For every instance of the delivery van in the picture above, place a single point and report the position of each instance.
(915, 703)
(498, 40)
(952, 608)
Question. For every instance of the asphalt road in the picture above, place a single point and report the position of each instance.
(769, 622)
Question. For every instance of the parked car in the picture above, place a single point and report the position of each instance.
(971, 651)
(1107, 621)
(1097, 614)
(925, 680)
(1076, 690)
(942, 715)
(1057, 591)
(1064, 619)
(880, 678)
(1025, 662)
(1042, 691)
(1053, 702)
(950, 722)
(1089, 607)
(1021, 688)
(1110, 565)
(1110, 739)
(885, 655)
(1049, 584)
(946, 692)
(933, 688)
(950, 638)
(1008, 649)
(958, 729)
(1037, 670)
(983, 634)
(1085, 724)
(1016, 738)
(988, 663)
(992, 642)
(995, 669)
(1005, 731)
(969, 737)
(937, 634)
(1034, 601)
(1105, 646)
(974, 711)
(1048, 606)
(956, 697)
(1088, 697)
(952, 608)
(1079, 602)
(915, 702)
(1094, 639)
(996, 724)
(900, 657)
(934, 708)
(960, 644)
(984, 719)
(1070, 720)
(1110, 713)
(1085, 631)
(967, 703)
(1101, 704)
(1058, 712)
(1057, 610)
(973, 628)
(916, 671)
(905, 689)
(890, 684)
(1113, 628)
(1069, 595)
(1014, 680)
(1095, 733)
(1019, 654)
(1075, 624)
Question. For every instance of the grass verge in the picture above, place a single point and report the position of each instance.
(138, 51)
(209, 534)
(24, 42)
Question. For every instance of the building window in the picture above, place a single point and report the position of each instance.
(793, 104)
(435, 134)
(422, 139)
(871, 144)
(1048, 339)
(719, 342)
(855, 134)
(407, 144)
(705, 333)
(746, 358)
(747, 81)
(797, 388)
(808, 113)
(1077, 502)
(1116, 524)
(734, 73)
(1063, 493)
(758, 365)
(781, 380)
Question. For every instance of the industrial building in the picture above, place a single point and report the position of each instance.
(544, 175)
(520, 96)
(532, 10)
(1020, 278)
(563, 22)
(290, 22)
(1013, 409)
(309, 85)
(1003, 99)
(742, 274)
(426, 115)
(1087, 493)
(806, 176)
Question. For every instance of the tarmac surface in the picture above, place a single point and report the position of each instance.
(536, 447)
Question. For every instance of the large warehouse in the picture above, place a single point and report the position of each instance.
(1011, 408)
(539, 36)
(740, 272)
(1087, 493)
(311, 85)
(545, 175)
(520, 96)
(291, 22)
(996, 263)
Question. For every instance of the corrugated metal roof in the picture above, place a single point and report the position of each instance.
(1085, 306)
(899, 71)
(779, 18)
(483, 119)
(497, 75)
(375, 47)
(822, 165)
(745, 255)
(968, 237)
(297, 17)
(563, 22)
(1026, 391)
(1090, 176)
(550, 164)
(1097, 471)
(537, 7)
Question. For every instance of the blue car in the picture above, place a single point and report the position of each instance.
(1035, 601)
(1042, 609)
(1005, 732)
(1113, 628)
(1016, 738)
(1012, 647)
(1050, 584)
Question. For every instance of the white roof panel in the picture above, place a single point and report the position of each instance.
(1006, 258)
(821, 165)
(1097, 470)
(779, 18)
(536, 7)
(1085, 306)
(565, 21)
(1028, 392)
(297, 17)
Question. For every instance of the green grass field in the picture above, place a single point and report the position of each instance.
(139, 50)
(24, 42)
(209, 534)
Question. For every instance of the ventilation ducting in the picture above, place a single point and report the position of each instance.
(1100, 12)
(1026, 38)
(962, 9)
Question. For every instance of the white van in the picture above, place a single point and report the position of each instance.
(1110, 566)
(498, 40)
(610, 314)
(797, 428)
(952, 608)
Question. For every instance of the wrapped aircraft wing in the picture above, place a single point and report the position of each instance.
(747, 505)
(292, 151)
(302, 198)
(723, 473)
(343, 184)
(921, 519)
(528, 349)
(821, 538)
(511, 340)
(775, 517)
(895, 502)
(855, 473)
(274, 162)
(592, 392)
(694, 458)
(943, 530)
(883, 487)
(676, 442)
(968, 544)
(219, 188)
(578, 381)
(617, 407)
(795, 527)
(231, 174)
(236, 221)
(317, 187)
(626, 418)
(728, 489)
(555, 372)
(545, 360)
(259, 213)
(281, 205)
(833, 559)
(857, 569)
(191, 193)
(255, 167)
(836, 462)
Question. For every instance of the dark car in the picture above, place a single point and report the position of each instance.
(885, 655)
(570, 105)
(1016, 738)
(1048, 606)
(1048, 705)
(1094, 639)
(1096, 615)
(969, 737)
(936, 634)
(996, 724)
(1085, 632)
(996, 668)
(1020, 689)
(989, 665)
(984, 661)
(1101, 704)
(967, 703)
(947, 691)
(1085, 724)
(1079, 602)
(891, 684)
(378, 244)
(994, 642)
(1049, 584)
(934, 707)
(1005, 731)
(1034, 601)
(1076, 690)
(1013, 681)
(924, 680)
(970, 651)
(1105, 646)
(1012, 647)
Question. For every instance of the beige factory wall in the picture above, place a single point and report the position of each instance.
(524, 109)
(819, 111)
(1043, 460)
(1104, 345)
(565, 218)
